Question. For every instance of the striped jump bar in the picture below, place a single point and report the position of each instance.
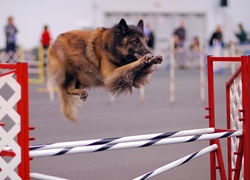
(136, 144)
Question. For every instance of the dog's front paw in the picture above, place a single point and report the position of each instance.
(146, 59)
(157, 59)
(83, 96)
(150, 59)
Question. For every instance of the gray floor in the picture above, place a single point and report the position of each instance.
(99, 118)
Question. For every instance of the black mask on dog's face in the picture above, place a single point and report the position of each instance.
(131, 42)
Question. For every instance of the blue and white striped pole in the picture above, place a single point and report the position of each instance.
(122, 139)
(136, 144)
(177, 163)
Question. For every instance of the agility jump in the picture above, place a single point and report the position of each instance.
(238, 136)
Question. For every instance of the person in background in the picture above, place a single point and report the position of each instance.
(195, 45)
(45, 40)
(150, 35)
(216, 37)
(195, 50)
(180, 33)
(241, 35)
(216, 48)
(10, 32)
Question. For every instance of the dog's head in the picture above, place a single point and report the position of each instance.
(130, 42)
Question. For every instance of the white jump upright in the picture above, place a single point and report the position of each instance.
(238, 135)
(172, 72)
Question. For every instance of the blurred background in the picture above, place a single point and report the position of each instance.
(183, 31)
(201, 17)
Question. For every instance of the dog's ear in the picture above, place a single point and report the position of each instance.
(123, 26)
(140, 24)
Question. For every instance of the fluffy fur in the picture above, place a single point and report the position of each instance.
(116, 58)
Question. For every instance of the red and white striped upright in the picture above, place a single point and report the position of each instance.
(15, 109)
(238, 118)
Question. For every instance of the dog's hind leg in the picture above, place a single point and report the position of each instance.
(75, 88)
(69, 100)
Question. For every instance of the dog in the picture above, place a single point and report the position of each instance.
(115, 58)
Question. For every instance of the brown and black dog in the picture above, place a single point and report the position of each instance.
(116, 58)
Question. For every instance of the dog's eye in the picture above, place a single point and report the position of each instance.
(136, 41)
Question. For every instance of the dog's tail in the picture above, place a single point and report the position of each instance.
(68, 104)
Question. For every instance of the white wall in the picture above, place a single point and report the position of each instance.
(31, 15)
(63, 15)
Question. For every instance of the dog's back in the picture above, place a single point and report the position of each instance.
(73, 52)
(71, 60)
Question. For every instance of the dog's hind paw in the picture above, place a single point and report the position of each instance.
(83, 95)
